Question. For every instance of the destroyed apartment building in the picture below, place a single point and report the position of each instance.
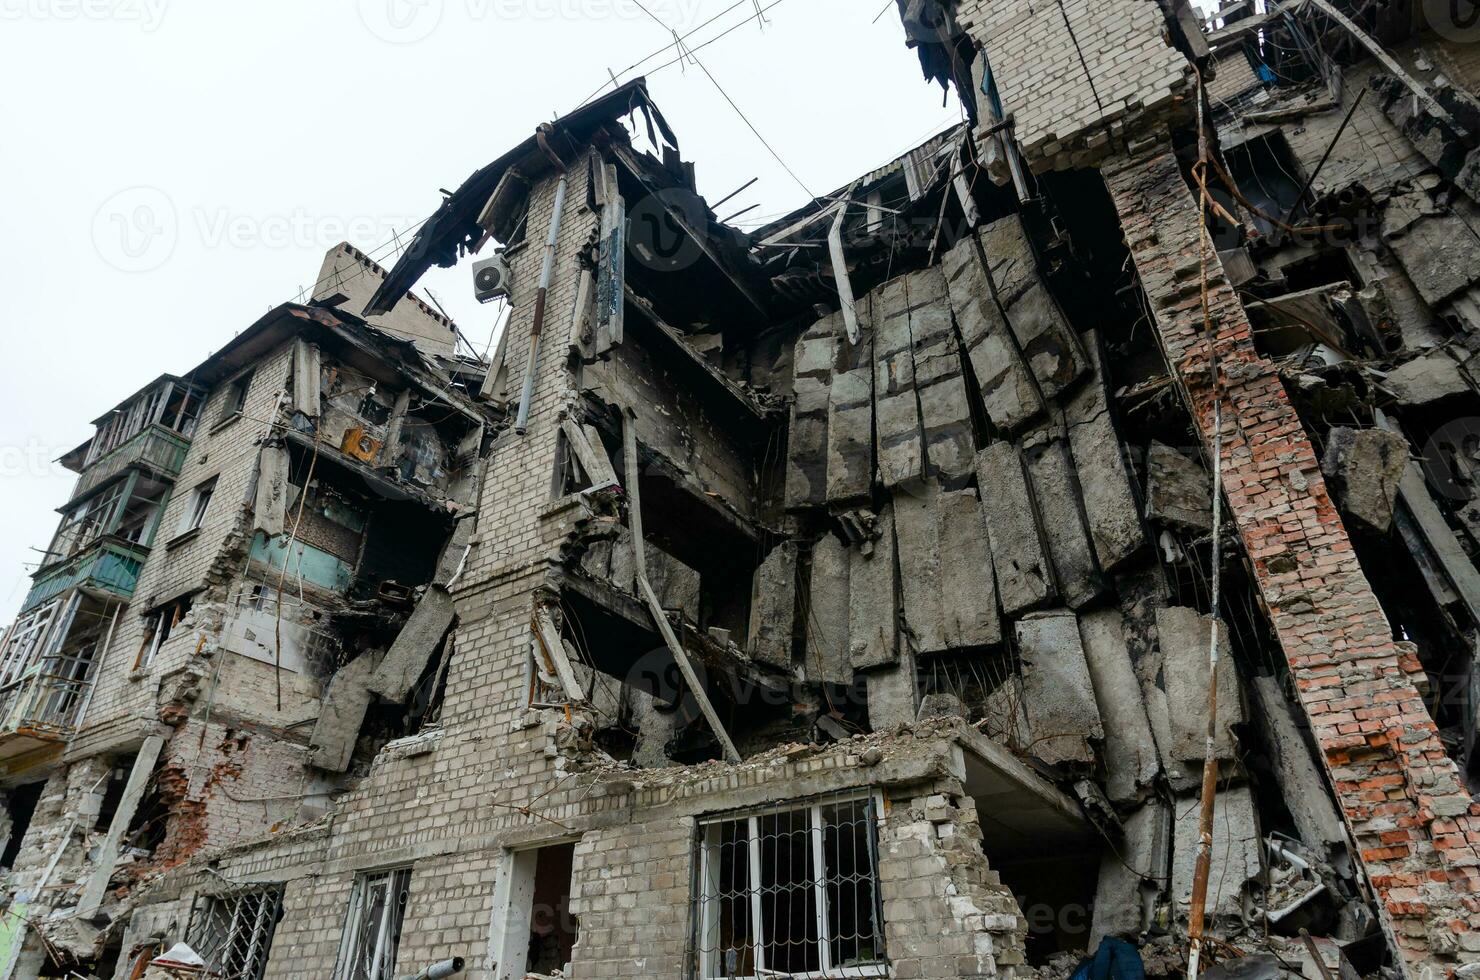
(841, 597)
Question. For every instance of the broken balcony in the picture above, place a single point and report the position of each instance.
(45, 668)
(103, 540)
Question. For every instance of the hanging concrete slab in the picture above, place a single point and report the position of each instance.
(1008, 390)
(968, 586)
(1056, 496)
(1019, 554)
(918, 545)
(1058, 695)
(417, 641)
(773, 606)
(1184, 634)
(945, 413)
(806, 460)
(850, 415)
(1130, 756)
(1109, 501)
(873, 587)
(1046, 341)
(899, 443)
(826, 613)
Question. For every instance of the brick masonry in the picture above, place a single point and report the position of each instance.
(1076, 74)
(1401, 796)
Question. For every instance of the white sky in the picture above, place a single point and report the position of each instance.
(170, 169)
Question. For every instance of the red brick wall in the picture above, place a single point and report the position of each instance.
(1413, 823)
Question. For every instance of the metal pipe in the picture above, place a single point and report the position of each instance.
(442, 970)
(521, 423)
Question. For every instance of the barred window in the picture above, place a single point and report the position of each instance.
(233, 932)
(791, 893)
(372, 930)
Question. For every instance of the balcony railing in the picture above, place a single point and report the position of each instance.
(108, 564)
(41, 706)
(157, 448)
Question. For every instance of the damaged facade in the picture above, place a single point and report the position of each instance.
(829, 599)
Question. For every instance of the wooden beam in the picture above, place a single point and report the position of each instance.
(655, 607)
(548, 635)
(584, 441)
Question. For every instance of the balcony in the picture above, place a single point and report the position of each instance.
(156, 449)
(108, 565)
(38, 711)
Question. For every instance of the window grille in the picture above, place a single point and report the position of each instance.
(233, 932)
(372, 930)
(791, 893)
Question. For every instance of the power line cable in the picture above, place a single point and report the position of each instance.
(678, 43)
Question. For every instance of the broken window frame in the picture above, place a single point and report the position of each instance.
(234, 404)
(24, 642)
(707, 903)
(87, 521)
(384, 945)
(160, 623)
(198, 506)
(233, 931)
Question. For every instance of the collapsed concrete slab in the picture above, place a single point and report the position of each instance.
(916, 524)
(1131, 761)
(807, 447)
(1008, 390)
(1131, 872)
(825, 614)
(1048, 344)
(945, 413)
(1056, 497)
(1237, 866)
(332, 744)
(898, 436)
(773, 599)
(1365, 468)
(873, 586)
(850, 418)
(1109, 502)
(1427, 379)
(968, 586)
(1019, 553)
(1185, 636)
(1058, 694)
(1178, 491)
(1302, 784)
(407, 658)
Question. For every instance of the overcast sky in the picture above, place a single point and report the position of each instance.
(172, 169)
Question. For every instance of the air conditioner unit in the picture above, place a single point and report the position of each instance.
(491, 277)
